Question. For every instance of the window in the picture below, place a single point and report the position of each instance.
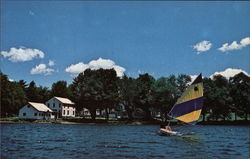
(28, 106)
(53, 105)
(24, 114)
(48, 104)
(63, 112)
(68, 112)
(35, 114)
(59, 105)
(195, 88)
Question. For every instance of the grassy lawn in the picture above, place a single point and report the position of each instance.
(13, 119)
(115, 121)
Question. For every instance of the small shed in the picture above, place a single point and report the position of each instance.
(34, 110)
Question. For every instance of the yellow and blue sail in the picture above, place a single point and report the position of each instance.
(188, 107)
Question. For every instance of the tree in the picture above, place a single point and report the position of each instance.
(32, 93)
(209, 96)
(182, 82)
(240, 91)
(60, 89)
(127, 88)
(222, 101)
(77, 89)
(12, 97)
(96, 89)
(23, 84)
(143, 98)
(18, 97)
(5, 95)
(109, 83)
(161, 96)
(43, 94)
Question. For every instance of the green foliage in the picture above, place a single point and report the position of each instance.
(240, 93)
(127, 91)
(144, 96)
(182, 82)
(12, 96)
(217, 97)
(43, 94)
(102, 89)
(60, 89)
(96, 89)
(31, 92)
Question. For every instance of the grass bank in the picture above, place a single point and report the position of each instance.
(114, 121)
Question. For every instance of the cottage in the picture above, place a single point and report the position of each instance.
(35, 111)
(62, 107)
(86, 113)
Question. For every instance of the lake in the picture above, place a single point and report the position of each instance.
(34, 140)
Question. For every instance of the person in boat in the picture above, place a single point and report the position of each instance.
(168, 128)
(165, 126)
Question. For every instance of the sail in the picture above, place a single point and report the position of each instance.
(188, 107)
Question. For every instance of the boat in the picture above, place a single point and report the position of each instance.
(167, 132)
(188, 107)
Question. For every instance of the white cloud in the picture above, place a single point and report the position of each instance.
(202, 46)
(193, 77)
(119, 70)
(234, 45)
(101, 63)
(77, 68)
(41, 69)
(22, 54)
(11, 80)
(51, 63)
(229, 72)
(94, 65)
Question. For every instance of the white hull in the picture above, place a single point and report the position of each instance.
(167, 132)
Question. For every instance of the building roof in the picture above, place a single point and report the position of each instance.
(40, 107)
(65, 100)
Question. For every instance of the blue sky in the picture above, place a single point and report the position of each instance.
(160, 38)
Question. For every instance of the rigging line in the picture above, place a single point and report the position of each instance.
(168, 122)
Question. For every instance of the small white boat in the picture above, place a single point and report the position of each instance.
(167, 132)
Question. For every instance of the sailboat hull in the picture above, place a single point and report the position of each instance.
(167, 132)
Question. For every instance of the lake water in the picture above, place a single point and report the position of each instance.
(113, 142)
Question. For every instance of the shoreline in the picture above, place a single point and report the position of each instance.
(120, 122)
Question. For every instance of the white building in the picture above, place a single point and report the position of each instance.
(35, 111)
(62, 107)
(86, 113)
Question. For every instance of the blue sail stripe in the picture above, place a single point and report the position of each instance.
(186, 107)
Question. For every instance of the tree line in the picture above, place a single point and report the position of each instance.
(102, 89)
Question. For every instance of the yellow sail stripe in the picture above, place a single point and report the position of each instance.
(190, 117)
(190, 93)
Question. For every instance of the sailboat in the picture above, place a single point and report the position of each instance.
(188, 107)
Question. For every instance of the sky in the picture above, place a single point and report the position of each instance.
(48, 41)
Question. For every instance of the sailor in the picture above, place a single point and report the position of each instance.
(168, 128)
(165, 126)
